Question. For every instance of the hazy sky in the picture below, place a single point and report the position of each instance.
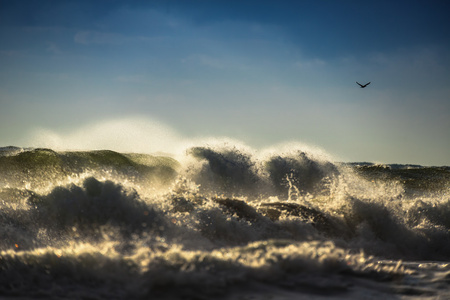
(262, 72)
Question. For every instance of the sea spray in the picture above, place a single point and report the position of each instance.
(222, 220)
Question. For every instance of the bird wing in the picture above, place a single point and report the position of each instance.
(367, 84)
(359, 84)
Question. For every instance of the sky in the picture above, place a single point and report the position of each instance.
(260, 72)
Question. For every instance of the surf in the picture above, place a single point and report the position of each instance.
(214, 217)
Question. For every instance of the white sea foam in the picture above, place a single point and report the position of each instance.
(226, 221)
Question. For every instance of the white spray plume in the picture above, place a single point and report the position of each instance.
(132, 134)
(137, 134)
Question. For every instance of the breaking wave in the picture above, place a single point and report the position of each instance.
(219, 220)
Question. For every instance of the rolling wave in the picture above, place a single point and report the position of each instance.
(117, 225)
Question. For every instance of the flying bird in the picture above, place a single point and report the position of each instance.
(363, 85)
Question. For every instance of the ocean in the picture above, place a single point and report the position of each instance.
(220, 222)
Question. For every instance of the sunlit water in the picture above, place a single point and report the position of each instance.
(220, 222)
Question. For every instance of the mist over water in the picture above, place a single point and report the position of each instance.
(130, 209)
(136, 134)
(132, 134)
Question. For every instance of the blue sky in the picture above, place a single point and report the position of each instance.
(262, 72)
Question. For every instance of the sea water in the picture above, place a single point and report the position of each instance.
(220, 222)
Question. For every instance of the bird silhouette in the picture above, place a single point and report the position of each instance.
(363, 85)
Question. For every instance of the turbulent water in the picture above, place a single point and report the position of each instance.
(220, 222)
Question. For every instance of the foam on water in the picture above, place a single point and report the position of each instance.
(223, 220)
